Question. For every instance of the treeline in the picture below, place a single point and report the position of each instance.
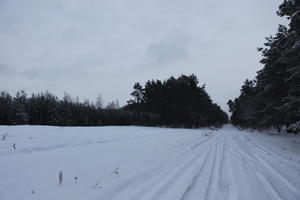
(46, 109)
(273, 97)
(176, 102)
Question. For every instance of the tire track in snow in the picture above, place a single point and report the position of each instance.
(195, 178)
(194, 154)
(268, 174)
(223, 166)
(218, 186)
(274, 154)
(214, 179)
(173, 183)
(86, 143)
(145, 188)
(261, 172)
(223, 182)
(244, 172)
(253, 148)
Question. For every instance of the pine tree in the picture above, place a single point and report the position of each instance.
(5, 104)
(18, 114)
(99, 102)
(274, 100)
(176, 102)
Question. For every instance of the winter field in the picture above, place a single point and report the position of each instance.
(140, 163)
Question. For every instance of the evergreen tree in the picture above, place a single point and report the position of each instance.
(177, 102)
(99, 102)
(5, 105)
(274, 99)
(18, 114)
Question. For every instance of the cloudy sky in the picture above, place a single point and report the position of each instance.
(87, 47)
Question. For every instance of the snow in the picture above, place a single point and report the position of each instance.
(144, 163)
(295, 127)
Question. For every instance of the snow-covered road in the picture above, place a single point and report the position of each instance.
(139, 163)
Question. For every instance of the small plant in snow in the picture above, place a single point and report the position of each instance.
(213, 128)
(294, 128)
(97, 185)
(207, 134)
(116, 172)
(60, 177)
(4, 137)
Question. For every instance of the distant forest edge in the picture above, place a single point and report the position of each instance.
(175, 102)
(273, 97)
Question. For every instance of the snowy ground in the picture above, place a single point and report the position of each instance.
(139, 163)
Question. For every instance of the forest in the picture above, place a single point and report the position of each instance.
(174, 103)
(272, 99)
(173, 65)
(177, 102)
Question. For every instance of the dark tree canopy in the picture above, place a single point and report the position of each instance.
(273, 97)
(176, 102)
(46, 109)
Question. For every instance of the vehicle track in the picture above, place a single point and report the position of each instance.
(222, 166)
(255, 163)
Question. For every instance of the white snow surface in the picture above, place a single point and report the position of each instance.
(141, 163)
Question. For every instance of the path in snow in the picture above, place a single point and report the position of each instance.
(151, 164)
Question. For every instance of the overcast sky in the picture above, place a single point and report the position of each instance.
(87, 47)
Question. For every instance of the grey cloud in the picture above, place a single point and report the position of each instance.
(83, 47)
(43, 72)
(162, 53)
(6, 70)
